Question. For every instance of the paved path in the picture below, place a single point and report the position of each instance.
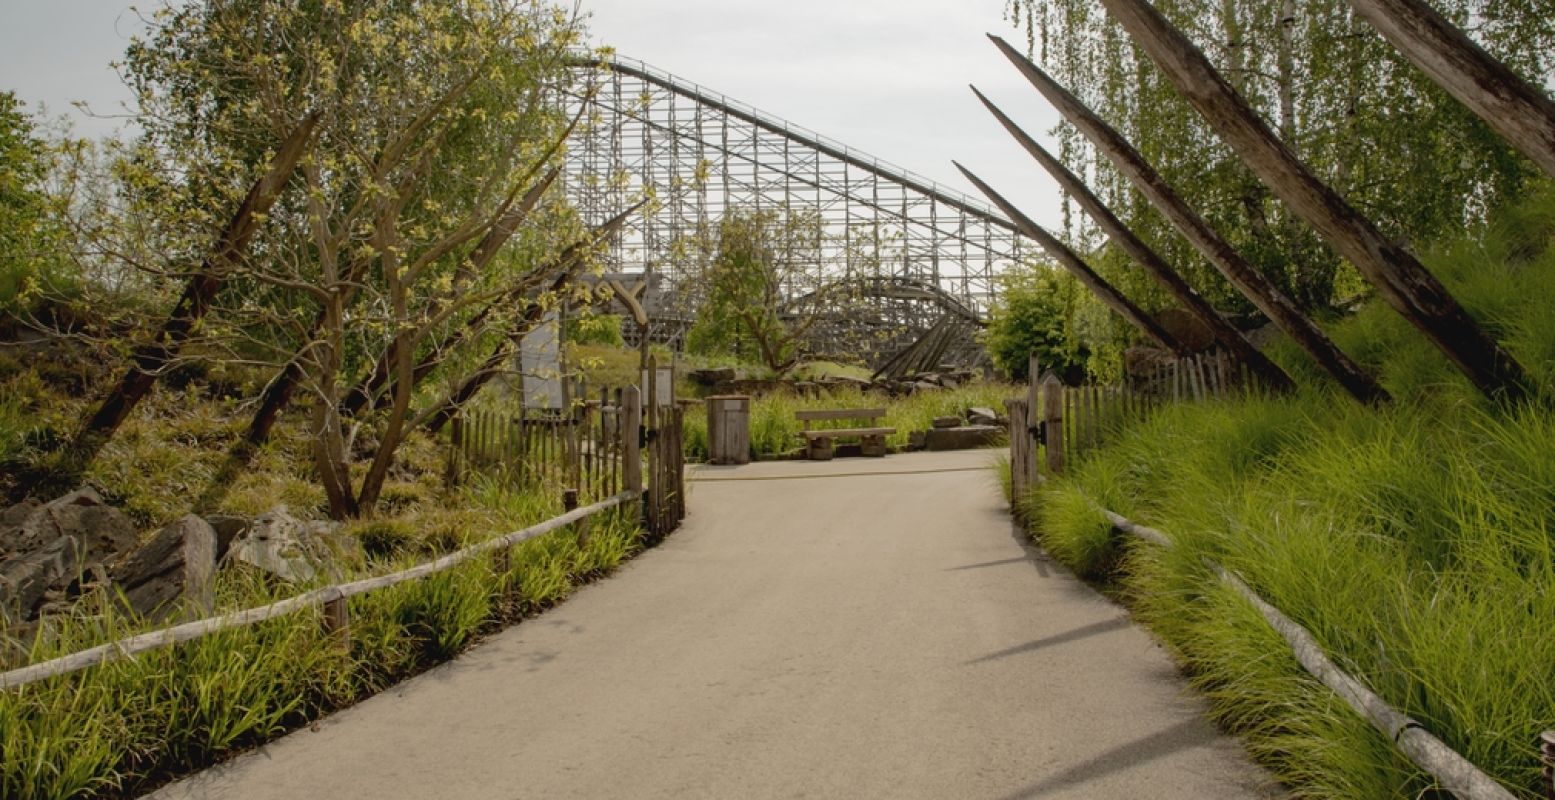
(854, 636)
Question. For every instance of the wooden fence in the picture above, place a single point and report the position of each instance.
(578, 449)
(1070, 421)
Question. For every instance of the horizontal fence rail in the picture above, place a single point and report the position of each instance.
(1455, 773)
(317, 598)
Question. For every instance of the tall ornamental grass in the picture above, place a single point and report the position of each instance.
(1414, 541)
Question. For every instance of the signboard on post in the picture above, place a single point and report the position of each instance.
(663, 387)
(540, 365)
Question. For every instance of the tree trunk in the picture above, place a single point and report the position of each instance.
(1513, 107)
(1247, 280)
(1120, 235)
(367, 393)
(1400, 279)
(151, 358)
(1071, 261)
(570, 260)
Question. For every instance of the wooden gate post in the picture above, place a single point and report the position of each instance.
(1053, 422)
(631, 440)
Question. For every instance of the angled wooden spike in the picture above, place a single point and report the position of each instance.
(1071, 261)
(1153, 264)
(1250, 282)
(1400, 278)
(1513, 107)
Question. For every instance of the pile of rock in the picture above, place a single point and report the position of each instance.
(979, 427)
(54, 553)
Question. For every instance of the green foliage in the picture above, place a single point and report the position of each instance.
(759, 258)
(1368, 122)
(1046, 311)
(595, 329)
(30, 235)
(1412, 540)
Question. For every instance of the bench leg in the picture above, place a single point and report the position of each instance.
(873, 446)
(821, 449)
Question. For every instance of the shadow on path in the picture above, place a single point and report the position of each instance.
(1076, 634)
(1185, 735)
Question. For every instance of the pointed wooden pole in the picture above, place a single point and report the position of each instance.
(1400, 278)
(1518, 110)
(1247, 280)
(1071, 261)
(1147, 258)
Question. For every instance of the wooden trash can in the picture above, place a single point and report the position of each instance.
(728, 429)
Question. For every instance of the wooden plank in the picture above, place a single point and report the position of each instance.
(1053, 422)
(1400, 279)
(838, 432)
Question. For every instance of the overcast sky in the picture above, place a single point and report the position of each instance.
(887, 77)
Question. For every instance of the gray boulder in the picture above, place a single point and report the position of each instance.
(26, 581)
(102, 531)
(983, 416)
(292, 549)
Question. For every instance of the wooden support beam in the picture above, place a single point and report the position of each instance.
(1518, 110)
(1250, 282)
(1153, 264)
(1400, 278)
(1071, 261)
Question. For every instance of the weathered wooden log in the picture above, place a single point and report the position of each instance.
(1399, 277)
(1253, 285)
(1518, 110)
(1153, 264)
(1076, 266)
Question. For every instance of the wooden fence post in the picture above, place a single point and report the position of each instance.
(337, 621)
(455, 449)
(631, 440)
(1053, 422)
(581, 527)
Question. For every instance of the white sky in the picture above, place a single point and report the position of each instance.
(885, 76)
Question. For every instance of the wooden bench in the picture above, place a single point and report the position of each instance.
(821, 445)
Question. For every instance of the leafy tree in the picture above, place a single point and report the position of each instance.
(435, 121)
(29, 231)
(1043, 310)
(764, 287)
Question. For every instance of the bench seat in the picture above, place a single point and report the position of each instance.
(838, 432)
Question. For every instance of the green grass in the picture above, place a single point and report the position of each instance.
(115, 729)
(1416, 541)
(108, 730)
(775, 431)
